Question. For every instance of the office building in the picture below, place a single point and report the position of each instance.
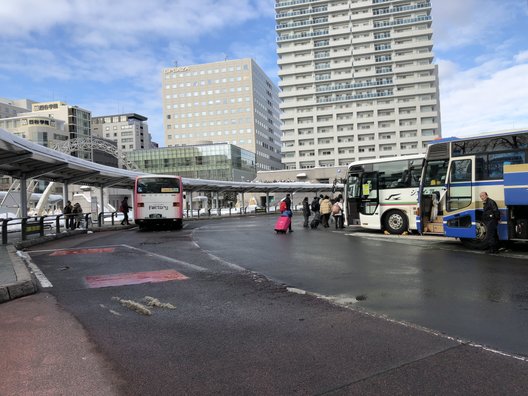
(220, 161)
(357, 78)
(129, 131)
(13, 107)
(224, 102)
(41, 129)
(77, 121)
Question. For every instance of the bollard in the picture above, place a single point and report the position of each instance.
(4, 231)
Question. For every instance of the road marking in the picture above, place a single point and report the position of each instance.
(169, 259)
(132, 278)
(44, 282)
(66, 252)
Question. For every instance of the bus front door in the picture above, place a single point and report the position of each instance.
(353, 199)
(369, 206)
(459, 219)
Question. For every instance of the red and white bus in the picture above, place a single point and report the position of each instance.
(158, 201)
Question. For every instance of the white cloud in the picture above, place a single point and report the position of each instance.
(481, 99)
(521, 57)
(459, 23)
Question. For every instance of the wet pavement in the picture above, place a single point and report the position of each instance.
(408, 313)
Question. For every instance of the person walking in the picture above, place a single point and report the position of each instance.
(326, 209)
(337, 212)
(491, 218)
(306, 212)
(288, 203)
(124, 209)
(68, 218)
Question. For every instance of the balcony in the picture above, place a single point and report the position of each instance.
(394, 10)
(398, 22)
(290, 14)
(343, 98)
(339, 87)
(302, 35)
(311, 22)
(295, 2)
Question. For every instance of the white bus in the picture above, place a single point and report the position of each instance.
(382, 194)
(158, 201)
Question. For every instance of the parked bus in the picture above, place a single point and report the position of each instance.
(457, 170)
(158, 201)
(382, 194)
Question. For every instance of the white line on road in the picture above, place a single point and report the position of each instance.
(170, 259)
(44, 282)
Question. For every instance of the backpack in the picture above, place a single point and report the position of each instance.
(336, 209)
(282, 206)
(315, 206)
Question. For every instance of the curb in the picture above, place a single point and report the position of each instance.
(26, 283)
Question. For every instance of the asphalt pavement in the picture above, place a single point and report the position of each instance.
(230, 331)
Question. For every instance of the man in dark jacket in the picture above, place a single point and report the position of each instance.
(490, 217)
(68, 218)
(124, 209)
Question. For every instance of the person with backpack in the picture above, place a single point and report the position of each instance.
(337, 212)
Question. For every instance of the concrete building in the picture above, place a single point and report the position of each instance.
(77, 121)
(40, 129)
(13, 107)
(219, 161)
(357, 78)
(224, 102)
(129, 131)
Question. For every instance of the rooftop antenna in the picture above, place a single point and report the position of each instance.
(175, 63)
(225, 59)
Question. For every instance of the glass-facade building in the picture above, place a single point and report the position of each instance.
(222, 161)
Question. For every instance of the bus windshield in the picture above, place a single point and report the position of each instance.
(154, 185)
(435, 173)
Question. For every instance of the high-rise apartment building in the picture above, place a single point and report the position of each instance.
(357, 78)
(232, 101)
(129, 131)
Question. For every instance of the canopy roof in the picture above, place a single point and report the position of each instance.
(23, 159)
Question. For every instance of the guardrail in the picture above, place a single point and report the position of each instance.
(41, 225)
(26, 227)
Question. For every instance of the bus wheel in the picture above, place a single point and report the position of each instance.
(395, 222)
(479, 243)
(178, 225)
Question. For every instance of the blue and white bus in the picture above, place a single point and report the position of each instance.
(457, 170)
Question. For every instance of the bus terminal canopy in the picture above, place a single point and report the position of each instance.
(22, 159)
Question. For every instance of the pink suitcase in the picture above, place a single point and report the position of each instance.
(282, 224)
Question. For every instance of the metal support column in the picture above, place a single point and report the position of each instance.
(64, 194)
(217, 203)
(243, 205)
(267, 202)
(191, 204)
(23, 197)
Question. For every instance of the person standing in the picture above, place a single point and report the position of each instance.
(306, 212)
(337, 212)
(491, 217)
(326, 209)
(124, 209)
(68, 218)
(288, 203)
(77, 213)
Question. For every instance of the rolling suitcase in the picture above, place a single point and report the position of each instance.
(316, 220)
(282, 224)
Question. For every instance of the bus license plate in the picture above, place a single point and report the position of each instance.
(155, 216)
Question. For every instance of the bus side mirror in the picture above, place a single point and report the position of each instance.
(184, 196)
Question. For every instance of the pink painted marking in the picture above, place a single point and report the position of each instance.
(82, 251)
(133, 278)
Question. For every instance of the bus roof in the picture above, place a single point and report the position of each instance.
(481, 135)
(382, 160)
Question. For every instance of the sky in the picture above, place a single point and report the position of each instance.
(107, 55)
